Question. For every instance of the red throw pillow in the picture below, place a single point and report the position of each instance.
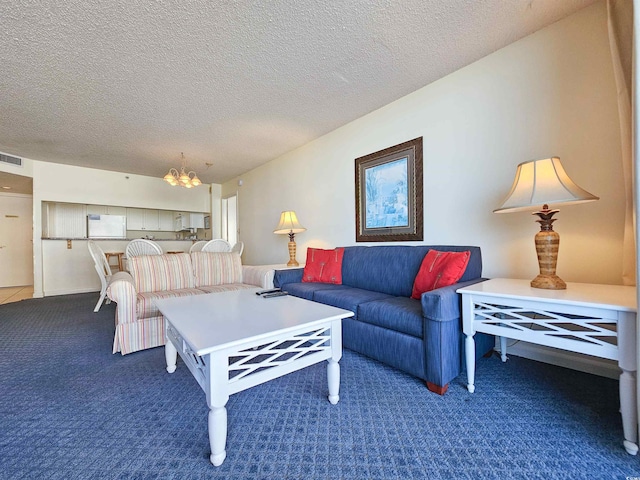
(439, 269)
(324, 266)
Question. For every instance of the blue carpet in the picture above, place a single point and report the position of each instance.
(69, 409)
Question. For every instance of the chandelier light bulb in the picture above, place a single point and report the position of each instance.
(184, 179)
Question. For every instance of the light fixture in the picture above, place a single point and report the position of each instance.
(289, 225)
(540, 183)
(184, 179)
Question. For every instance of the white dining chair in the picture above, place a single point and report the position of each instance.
(217, 245)
(197, 246)
(141, 246)
(104, 271)
(238, 248)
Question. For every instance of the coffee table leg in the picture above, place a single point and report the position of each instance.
(218, 434)
(170, 355)
(470, 357)
(333, 378)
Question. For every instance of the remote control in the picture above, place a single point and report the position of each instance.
(263, 292)
(276, 294)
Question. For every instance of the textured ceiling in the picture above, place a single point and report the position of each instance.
(127, 85)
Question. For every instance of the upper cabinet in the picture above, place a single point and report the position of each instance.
(142, 219)
(188, 221)
(165, 220)
(105, 210)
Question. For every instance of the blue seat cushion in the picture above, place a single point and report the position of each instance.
(307, 290)
(401, 314)
(347, 297)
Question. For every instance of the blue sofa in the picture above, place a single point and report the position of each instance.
(421, 337)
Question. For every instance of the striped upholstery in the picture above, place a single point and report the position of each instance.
(216, 268)
(139, 324)
(225, 288)
(138, 335)
(146, 306)
(153, 273)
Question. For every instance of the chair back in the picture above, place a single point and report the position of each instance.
(217, 245)
(238, 248)
(100, 260)
(141, 246)
(197, 247)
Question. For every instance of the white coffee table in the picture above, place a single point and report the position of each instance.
(232, 341)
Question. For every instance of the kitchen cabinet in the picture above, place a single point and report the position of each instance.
(166, 220)
(142, 219)
(188, 221)
(105, 210)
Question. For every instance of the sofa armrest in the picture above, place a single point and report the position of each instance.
(289, 275)
(443, 304)
(258, 275)
(122, 291)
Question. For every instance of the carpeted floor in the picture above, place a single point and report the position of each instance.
(70, 409)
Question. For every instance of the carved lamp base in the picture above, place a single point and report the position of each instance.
(292, 254)
(547, 245)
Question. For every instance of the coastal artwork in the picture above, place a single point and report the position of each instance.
(388, 186)
(387, 195)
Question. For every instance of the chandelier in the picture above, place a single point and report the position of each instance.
(184, 179)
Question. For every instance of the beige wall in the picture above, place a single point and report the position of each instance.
(551, 93)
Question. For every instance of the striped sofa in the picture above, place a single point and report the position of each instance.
(139, 324)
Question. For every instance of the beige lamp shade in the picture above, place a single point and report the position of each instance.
(537, 184)
(540, 182)
(288, 224)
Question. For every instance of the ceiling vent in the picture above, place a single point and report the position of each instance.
(10, 160)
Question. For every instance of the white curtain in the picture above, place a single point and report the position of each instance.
(620, 15)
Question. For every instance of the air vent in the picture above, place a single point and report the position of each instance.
(10, 160)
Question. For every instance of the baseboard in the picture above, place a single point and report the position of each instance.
(66, 291)
(563, 358)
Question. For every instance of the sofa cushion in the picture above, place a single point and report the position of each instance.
(401, 314)
(156, 273)
(146, 307)
(347, 297)
(216, 268)
(439, 269)
(392, 269)
(323, 266)
(307, 290)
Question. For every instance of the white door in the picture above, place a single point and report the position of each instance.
(230, 219)
(16, 240)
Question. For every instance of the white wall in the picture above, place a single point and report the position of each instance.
(551, 93)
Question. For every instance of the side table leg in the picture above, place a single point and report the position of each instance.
(218, 435)
(470, 357)
(628, 411)
(170, 355)
(503, 349)
(333, 379)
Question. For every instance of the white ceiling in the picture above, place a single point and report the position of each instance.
(127, 85)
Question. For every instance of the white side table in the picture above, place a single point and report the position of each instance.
(598, 320)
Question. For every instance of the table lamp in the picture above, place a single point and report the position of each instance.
(289, 225)
(540, 183)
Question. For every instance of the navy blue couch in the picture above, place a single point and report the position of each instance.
(421, 337)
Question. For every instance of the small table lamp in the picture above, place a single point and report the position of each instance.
(539, 183)
(289, 225)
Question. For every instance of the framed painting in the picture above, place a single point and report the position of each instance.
(389, 194)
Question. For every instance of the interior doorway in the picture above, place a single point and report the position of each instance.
(16, 239)
(230, 219)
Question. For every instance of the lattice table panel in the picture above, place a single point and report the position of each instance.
(589, 334)
(254, 360)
